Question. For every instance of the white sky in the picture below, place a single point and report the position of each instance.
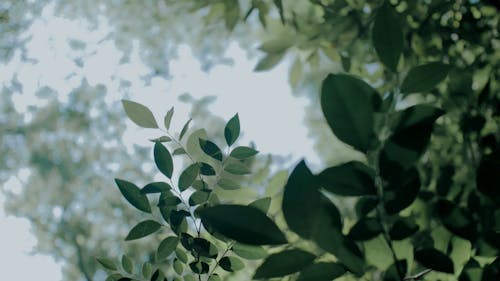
(269, 114)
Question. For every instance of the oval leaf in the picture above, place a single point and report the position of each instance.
(388, 36)
(211, 149)
(242, 223)
(365, 229)
(188, 176)
(107, 263)
(231, 264)
(167, 246)
(349, 179)
(139, 114)
(156, 187)
(127, 264)
(134, 195)
(284, 263)
(434, 259)
(184, 129)
(168, 118)
(163, 160)
(143, 229)
(262, 204)
(232, 130)
(243, 152)
(347, 106)
(249, 252)
(424, 77)
(323, 271)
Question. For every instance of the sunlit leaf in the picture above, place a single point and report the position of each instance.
(143, 229)
(107, 263)
(261, 204)
(231, 264)
(269, 61)
(161, 139)
(228, 184)
(127, 264)
(237, 168)
(139, 114)
(249, 252)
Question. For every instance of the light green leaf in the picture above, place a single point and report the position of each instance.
(184, 129)
(348, 106)
(178, 267)
(232, 130)
(134, 195)
(163, 160)
(147, 269)
(269, 61)
(249, 252)
(228, 184)
(127, 264)
(214, 277)
(388, 36)
(261, 204)
(242, 223)
(168, 118)
(424, 77)
(188, 176)
(143, 229)
(284, 263)
(107, 263)
(139, 114)
(167, 246)
(243, 152)
(237, 168)
(179, 151)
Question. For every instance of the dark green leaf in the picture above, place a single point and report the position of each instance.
(207, 169)
(365, 229)
(143, 229)
(134, 195)
(168, 199)
(107, 263)
(114, 277)
(231, 264)
(402, 229)
(243, 152)
(457, 220)
(127, 264)
(188, 176)
(262, 204)
(168, 118)
(139, 114)
(347, 105)
(402, 191)
(204, 248)
(279, 5)
(228, 184)
(214, 277)
(424, 77)
(284, 263)
(365, 205)
(392, 273)
(249, 252)
(487, 175)
(232, 130)
(211, 149)
(388, 36)
(166, 247)
(322, 271)
(199, 197)
(156, 187)
(242, 223)
(199, 185)
(199, 267)
(237, 168)
(163, 160)
(184, 129)
(434, 259)
(349, 179)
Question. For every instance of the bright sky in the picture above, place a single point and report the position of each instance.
(269, 114)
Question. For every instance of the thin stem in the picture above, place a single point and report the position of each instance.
(229, 245)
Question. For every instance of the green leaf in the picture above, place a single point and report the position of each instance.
(284, 263)
(168, 118)
(228, 184)
(487, 175)
(424, 77)
(167, 246)
(214, 277)
(269, 61)
(179, 151)
(199, 197)
(184, 129)
(158, 275)
(434, 259)
(232, 130)
(163, 160)
(392, 273)
(188, 176)
(127, 264)
(322, 271)
(114, 277)
(242, 223)
(147, 269)
(237, 168)
(261, 204)
(161, 139)
(279, 5)
(156, 187)
(365, 229)
(402, 229)
(168, 199)
(204, 248)
(347, 105)
(207, 169)
(365, 205)
(199, 267)
(189, 278)
(388, 36)
(139, 114)
(231, 264)
(231, 14)
(181, 256)
(249, 252)
(178, 267)
(107, 263)
(243, 152)
(457, 220)
(134, 195)
(401, 193)
(211, 149)
(143, 229)
(350, 179)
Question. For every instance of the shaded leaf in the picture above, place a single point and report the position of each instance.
(139, 114)
(349, 179)
(188, 176)
(211, 149)
(231, 264)
(163, 160)
(424, 77)
(207, 169)
(322, 271)
(232, 130)
(228, 184)
(199, 267)
(156, 187)
(143, 229)
(242, 223)
(179, 151)
(365, 229)
(402, 229)
(199, 197)
(434, 259)
(284, 263)
(134, 195)
(388, 36)
(401, 193)
(347, 105)
(487, 175)
(161, 139)
(237, 168)
(269, 61)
